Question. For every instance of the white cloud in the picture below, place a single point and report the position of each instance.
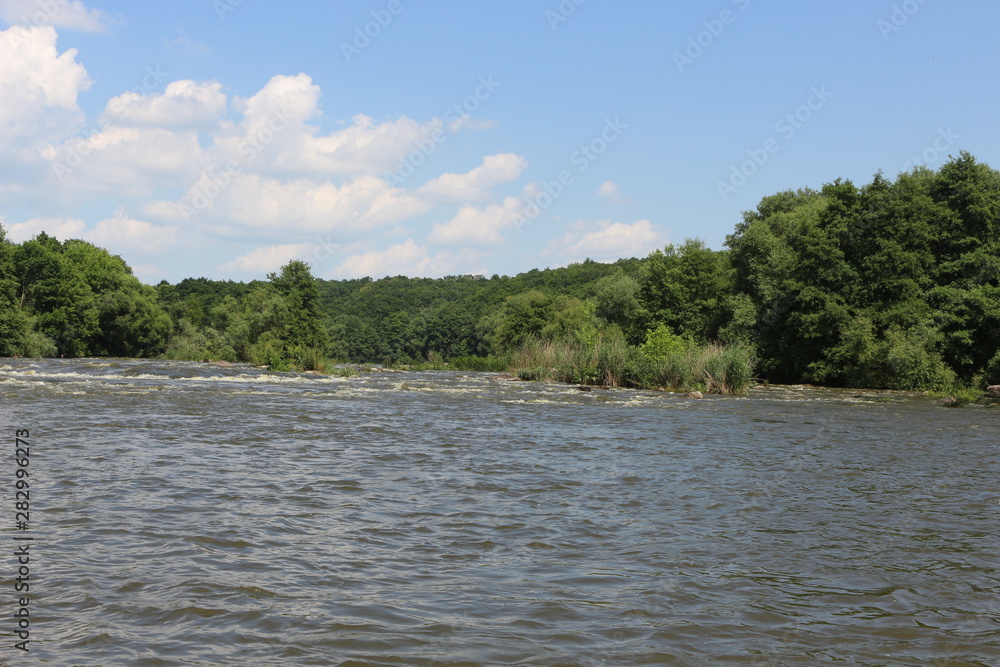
(72, 14)
(606, 241)
(256, 168)
(126, 236)
(149, 140)
(120, 234)
(184, 104)
(267, 259)
(609, 189)
(475, 185)
(181, 44)
(259, 204)
(477, 226)
(38, 89)
(148, 274)
(126, 161)
(275, 137)
(61, 228)
(407, 259)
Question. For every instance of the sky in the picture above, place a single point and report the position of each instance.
(224, 138)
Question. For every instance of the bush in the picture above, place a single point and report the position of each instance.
(993, 370)
(267, 352)
(187, 343)
(909, 364)
(36, 344)
(901, 359)
(661, 343)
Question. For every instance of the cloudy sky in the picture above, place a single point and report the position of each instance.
(222, 138)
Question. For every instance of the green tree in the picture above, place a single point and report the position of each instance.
(522, 316)
(55, 290)
(297, 286)
(14, 326)
(686, 288)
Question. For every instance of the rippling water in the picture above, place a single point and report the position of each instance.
(191, 514)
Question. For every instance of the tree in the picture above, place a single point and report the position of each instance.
(13, 321)
(685, 288)
(301, 294)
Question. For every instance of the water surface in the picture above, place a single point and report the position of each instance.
(192, 514)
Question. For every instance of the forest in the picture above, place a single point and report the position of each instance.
(890, 285)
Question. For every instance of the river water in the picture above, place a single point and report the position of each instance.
(192, 514)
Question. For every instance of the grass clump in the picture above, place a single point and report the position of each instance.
(663, 362)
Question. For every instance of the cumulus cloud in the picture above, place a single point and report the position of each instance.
(38, 89)
(606, 241)
(259, 167)
(275, 124)
(71, 14)
(61, 228)
(267, 259)
(127, 236)
(406, 259)
(609, 189)
(126, 161)
(119, 234)
(184, 104)
(476, 184)
(258, 204)
(478, 226)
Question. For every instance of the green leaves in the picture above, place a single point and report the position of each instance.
(893, 284)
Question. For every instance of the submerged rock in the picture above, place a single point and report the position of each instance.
(694, 394)
(948, 401)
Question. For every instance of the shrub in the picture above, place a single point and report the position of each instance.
(267, 352)
(910, 364)
(36, 344)
(661, 343)
(993, 370)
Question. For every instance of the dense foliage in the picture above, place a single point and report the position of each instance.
(887, 285)
(73, 299)
(891, 285)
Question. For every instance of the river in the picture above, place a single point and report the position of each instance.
(194, 514)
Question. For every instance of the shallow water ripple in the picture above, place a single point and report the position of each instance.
(191, 514)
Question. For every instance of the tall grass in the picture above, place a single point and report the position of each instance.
(489, 364)
(713, 368)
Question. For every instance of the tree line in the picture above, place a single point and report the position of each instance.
(892, 284)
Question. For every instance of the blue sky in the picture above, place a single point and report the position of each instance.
(222, 138)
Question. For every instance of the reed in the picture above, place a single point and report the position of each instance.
(713, 368)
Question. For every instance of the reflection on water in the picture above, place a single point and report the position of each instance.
(191, 514)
